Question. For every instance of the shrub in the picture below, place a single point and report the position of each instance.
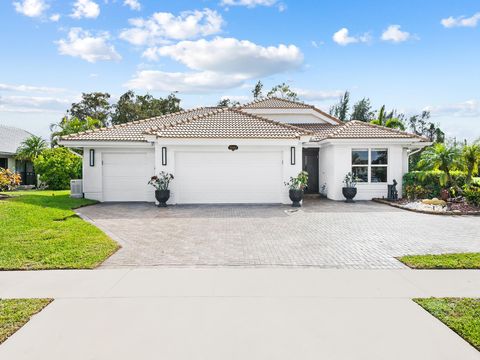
(414, 192)
(8, 180)
(57, 167)
(472, 194)
(429, 181)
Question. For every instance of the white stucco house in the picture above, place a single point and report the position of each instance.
(242, 155)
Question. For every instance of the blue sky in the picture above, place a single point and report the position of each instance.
(409, 55)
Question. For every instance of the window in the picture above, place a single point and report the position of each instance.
(3, 163)
(370, 165)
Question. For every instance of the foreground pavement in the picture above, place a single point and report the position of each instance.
(220, 313)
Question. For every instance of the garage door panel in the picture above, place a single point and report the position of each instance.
(125, 176)
(233, 177)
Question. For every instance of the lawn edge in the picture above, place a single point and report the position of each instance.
(413, 267)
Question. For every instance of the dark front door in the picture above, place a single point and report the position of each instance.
(310, 165)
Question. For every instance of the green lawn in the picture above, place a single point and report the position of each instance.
(14, 313)
(462, 315)
(444, 261)
(39, 230)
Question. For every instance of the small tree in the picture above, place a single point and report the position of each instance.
(471, 160)
(257, 91)
(30, 148)
(71, 126)
(228, 103)
(340, 110)
(95, 105)
(362, 110)
(283, 91)
(57, 167)
(442, 157)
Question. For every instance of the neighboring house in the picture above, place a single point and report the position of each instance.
(242, 155)
(10, 139)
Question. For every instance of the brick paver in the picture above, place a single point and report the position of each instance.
(323, 233)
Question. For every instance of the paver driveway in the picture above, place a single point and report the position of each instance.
(323, 233)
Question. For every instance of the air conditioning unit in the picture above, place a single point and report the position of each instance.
(76, 189)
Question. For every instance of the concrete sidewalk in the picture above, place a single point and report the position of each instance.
(236, 314)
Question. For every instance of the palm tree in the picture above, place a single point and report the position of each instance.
(71, 126)
(444, 158)
(471, 160)
(30, 148)
(388, 120)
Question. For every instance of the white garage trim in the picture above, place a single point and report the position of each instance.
(228, 177)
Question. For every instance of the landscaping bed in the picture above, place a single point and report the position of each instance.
(39, 230)
(462, 315)
(451, 208)
(14, 313)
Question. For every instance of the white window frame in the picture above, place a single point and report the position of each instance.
(369, 164)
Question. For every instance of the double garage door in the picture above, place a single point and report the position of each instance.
(201, 177)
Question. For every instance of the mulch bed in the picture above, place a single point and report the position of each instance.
(455, 208)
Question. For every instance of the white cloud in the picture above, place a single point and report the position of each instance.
(85, 9)
(34, 101)
(221, 63)
(31, 8)
(132, 4)
(248, 3)
(55, 17)
(318, 95)
(343, 38)
(394, 34)
(461, 21)
(186, 82)
(83, 44)
(240, 98)
(29, 88)
(232, 56)
(469, 108)
(316, 44)
(162, 26)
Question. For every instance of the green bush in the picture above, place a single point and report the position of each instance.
(429, 181)
(57, 167)
(472, 194)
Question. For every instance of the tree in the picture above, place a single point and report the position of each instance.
(257, 91)
(131, 107)
(390, 119)
(95, 105)
(421, 126)
(395, 123)
(283, 91)
(442, 157)
(57, 167)
(362, 110)
(72, 125)
(226, 102)
(471, 160)
(340, 110)
(30, 148)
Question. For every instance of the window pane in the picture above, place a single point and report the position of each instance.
(3, 163)
(380, 157)
(359, 157)
(379, 174)
(360, 173)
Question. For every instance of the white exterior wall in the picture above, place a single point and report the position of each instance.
(93, 175)
(336, 161)
(11, 164)
(221, 146)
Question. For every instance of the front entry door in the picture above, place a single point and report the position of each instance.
(310, 165)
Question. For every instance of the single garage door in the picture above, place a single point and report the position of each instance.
(125, 176)
(228, 177)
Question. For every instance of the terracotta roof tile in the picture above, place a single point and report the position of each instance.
(228, 123)
(134, 131)
(356, 130)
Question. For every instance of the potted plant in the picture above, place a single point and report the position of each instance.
(161, 182)
(297, 185)
(350, 188)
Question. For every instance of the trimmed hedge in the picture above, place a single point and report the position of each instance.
(429, 182)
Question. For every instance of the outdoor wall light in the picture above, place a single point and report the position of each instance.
(164, 156)
(292, 155)
(232, 147)
(92, 157)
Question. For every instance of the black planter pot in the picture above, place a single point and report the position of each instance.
(296, 196)
(162, 197)
(349, 193)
